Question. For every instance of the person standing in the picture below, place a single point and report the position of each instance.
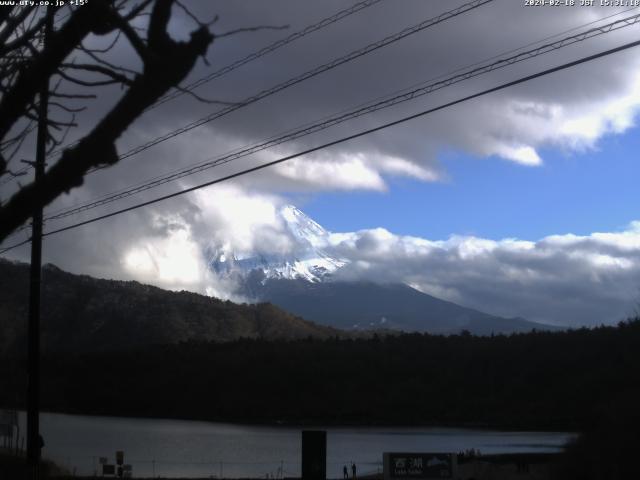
(353, 471)
(345, 472)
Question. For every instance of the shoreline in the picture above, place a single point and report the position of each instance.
(517, 466)
(312, 424)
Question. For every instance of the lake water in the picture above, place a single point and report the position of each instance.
(180, 448)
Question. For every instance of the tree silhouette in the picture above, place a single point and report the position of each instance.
(25, 60)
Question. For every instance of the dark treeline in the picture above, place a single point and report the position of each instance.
(539, 380)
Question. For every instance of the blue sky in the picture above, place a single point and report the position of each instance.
(572, 192)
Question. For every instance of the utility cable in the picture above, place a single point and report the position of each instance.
(325, 22)
(503, 86)
(300, 78)
(341, 118)
(370, 102)
(266, 50)
(306, 76)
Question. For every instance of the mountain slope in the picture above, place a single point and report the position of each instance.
(303, 281)
(367, 305)
(309, 259)
(82, 313)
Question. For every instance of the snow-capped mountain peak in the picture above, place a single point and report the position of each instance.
(302, 227)
(308, 259)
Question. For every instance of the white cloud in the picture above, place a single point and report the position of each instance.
(173, 260)
(524, 155)
(562, 279)
(399, 166)
(593, 120)
(229, 216)
(342, 172)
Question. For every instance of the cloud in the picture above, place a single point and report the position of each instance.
(577, 279)
(572, 110)
(561, 279)
(346, 172)
(245, 222)
(173, 259)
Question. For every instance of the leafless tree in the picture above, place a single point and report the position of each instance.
(25, 60)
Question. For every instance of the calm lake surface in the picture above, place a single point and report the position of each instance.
(180, 448)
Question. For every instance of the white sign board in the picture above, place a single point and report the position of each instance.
(419, 466)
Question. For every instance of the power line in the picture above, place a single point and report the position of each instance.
(340, 118)
(307, 75)
(370, 102)
(503, 86)
(325, 22)
(369, 107)
(302, 77)
(266, 50)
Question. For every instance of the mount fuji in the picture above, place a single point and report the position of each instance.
(304, 282)
(309, 261)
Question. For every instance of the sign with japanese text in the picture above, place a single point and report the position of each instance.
(418, 465)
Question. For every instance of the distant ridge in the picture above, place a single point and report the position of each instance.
(393, 306)
(81, 313)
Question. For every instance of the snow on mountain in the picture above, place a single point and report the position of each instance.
(309, 259)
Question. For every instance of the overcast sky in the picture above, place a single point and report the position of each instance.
(520, 203)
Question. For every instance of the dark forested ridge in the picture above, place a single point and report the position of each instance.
(84, 313)
(539, 380)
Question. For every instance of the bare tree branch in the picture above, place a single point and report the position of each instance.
(136, 42)
(137, 10)
(115, 76)
(89, 96)
(202, 99)
(66, 108)
(12, 24)
(57, 142)
(108, 47)
(166, 63)
(5, 13)
(105, 63)
(86, 83)
(250, 29)
(62, 43)
(20, 141)
(26, 37)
